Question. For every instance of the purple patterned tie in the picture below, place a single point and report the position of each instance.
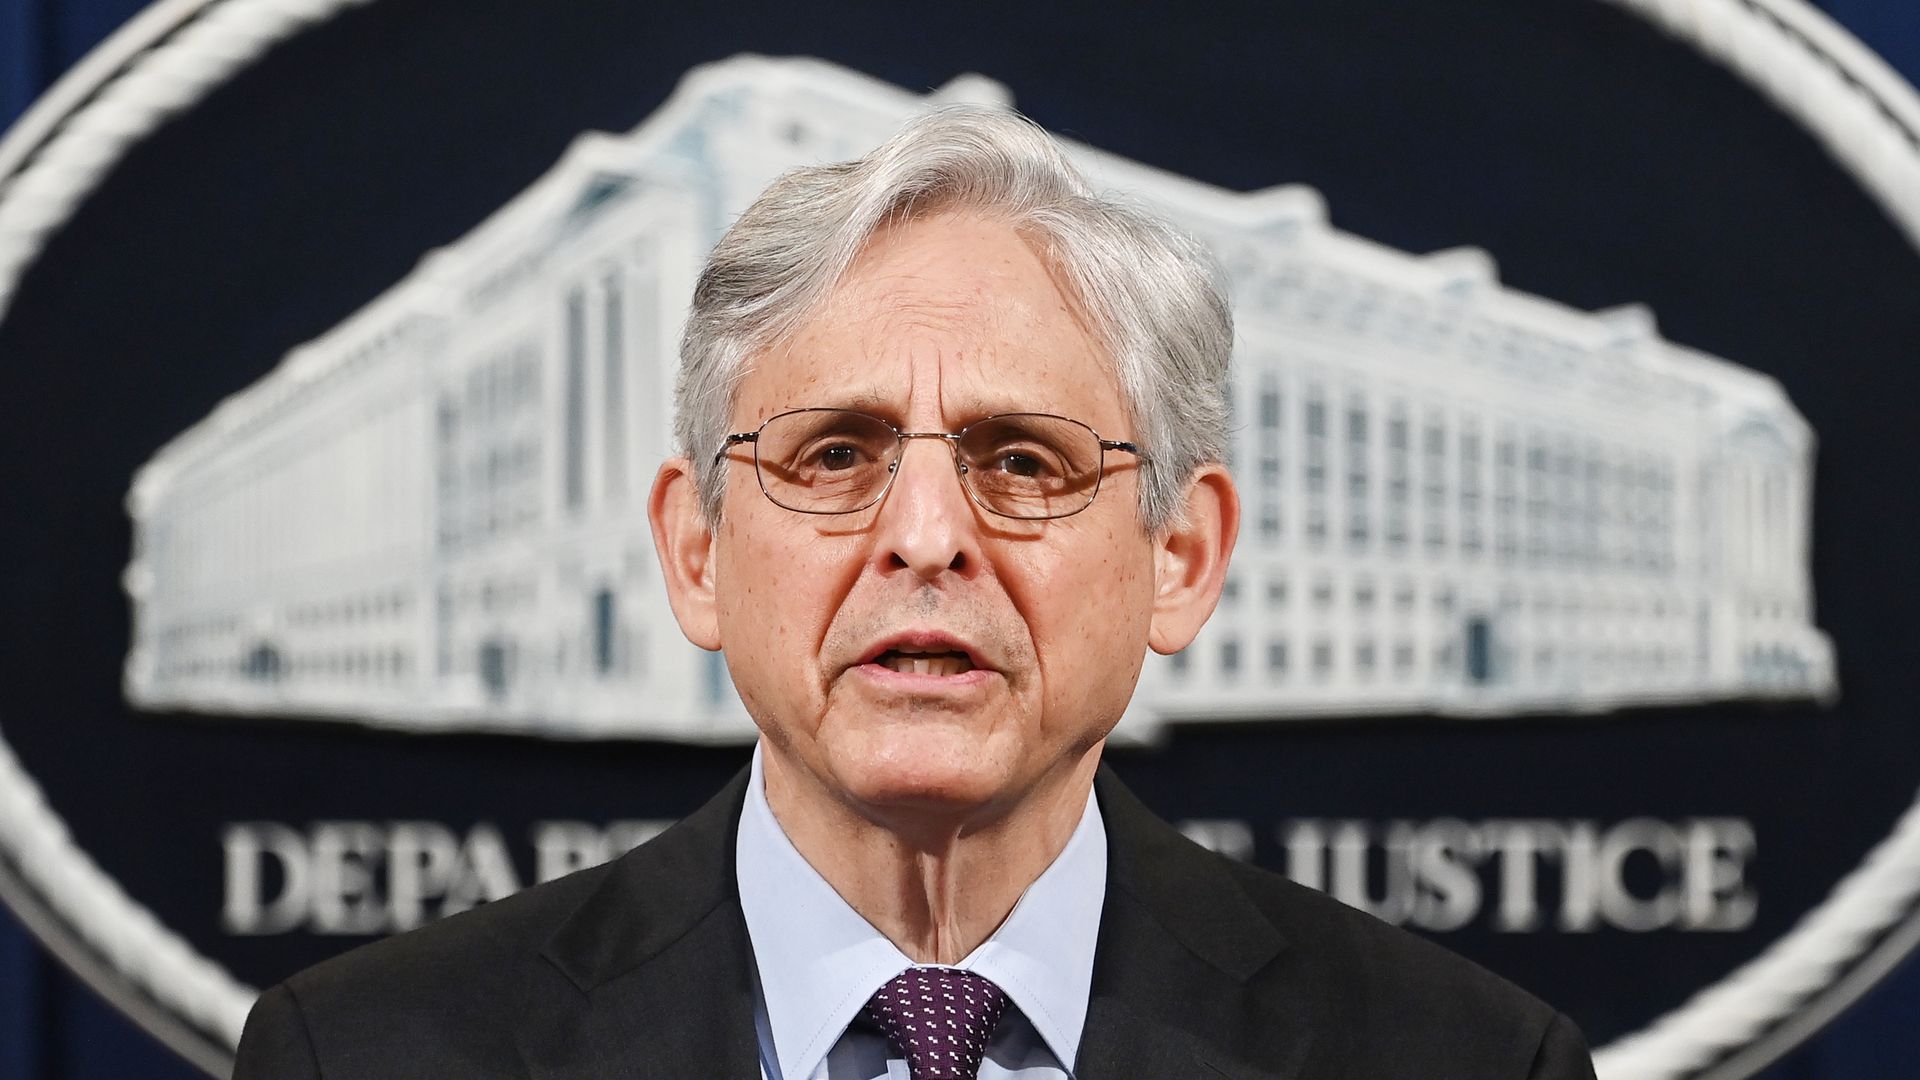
(939, 1019)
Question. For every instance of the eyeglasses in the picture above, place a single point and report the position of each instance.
(1030, 466)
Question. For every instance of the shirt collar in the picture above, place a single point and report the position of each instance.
(819, 960)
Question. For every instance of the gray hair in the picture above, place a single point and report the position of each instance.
(1152, 294)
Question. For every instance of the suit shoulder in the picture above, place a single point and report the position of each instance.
(440, 997)
(454, 952)
(455, 997)
(1340, 936)
(1406, 991)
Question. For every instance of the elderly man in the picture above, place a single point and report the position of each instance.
(953, 429)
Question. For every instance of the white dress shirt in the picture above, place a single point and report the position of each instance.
(819, 961)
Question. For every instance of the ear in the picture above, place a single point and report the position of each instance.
(683, 539)
(1190, 559)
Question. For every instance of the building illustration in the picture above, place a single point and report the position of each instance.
(1459, 499)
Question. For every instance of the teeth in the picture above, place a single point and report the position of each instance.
(926, 664)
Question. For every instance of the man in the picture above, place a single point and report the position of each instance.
(953, 430)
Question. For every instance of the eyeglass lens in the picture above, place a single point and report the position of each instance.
(1022, 465)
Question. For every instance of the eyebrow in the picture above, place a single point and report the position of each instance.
(864, 401)
(885, 409)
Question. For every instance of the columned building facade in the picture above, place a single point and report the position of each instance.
(1458, 498)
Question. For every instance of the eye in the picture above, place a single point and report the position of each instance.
(1026, 453)
(835, 458)
(1018, 463)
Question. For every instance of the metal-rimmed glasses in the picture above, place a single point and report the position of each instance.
(1030, 466)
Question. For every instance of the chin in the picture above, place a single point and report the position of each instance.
(925, 770)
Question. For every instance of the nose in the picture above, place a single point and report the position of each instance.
(927, 524)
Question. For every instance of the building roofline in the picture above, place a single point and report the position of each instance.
(1626, 334)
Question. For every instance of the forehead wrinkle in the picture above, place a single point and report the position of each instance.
(907, 321)
(924, 334)
(906, 308)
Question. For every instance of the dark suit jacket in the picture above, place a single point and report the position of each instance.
(641, 968)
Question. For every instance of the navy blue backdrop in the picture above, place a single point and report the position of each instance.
(52, 1028)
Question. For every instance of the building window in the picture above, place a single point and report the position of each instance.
(1470, 534)
(1506, 488)
(1399, 479)
(1396, 532)
(1271, 466)
(1434, 470)
(1230, 657)
(605, 626)
(1479, 651)
(1538, 501)
(1276, 658)
(1277, 591)
(1322, 658)
(1358, 475)
(1563, 505)
(1592, 507)
(615, 432)
(493, 668)
(1316, 439)
(1663, 512)
(1316, 466)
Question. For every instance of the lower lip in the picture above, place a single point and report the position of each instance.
(912, 680)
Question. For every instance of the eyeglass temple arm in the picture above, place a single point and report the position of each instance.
(735, 440)
(1112, 444)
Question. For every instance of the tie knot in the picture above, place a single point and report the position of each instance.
(939, 1019)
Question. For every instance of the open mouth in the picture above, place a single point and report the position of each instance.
(915, 662)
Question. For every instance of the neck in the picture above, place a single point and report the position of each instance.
(937, 883)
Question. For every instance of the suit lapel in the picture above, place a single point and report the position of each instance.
(657, 966)
(1184, 981)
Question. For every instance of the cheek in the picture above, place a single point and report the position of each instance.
(777, 591)
(1092, 603)
(756, 579)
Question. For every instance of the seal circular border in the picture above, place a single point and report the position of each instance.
(175, 52)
